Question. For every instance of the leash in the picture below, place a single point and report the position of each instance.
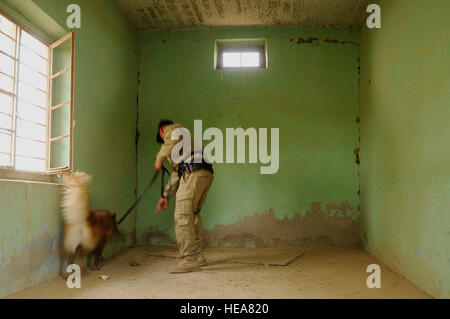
(150, 184)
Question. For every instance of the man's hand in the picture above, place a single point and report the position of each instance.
(163, 204)
(158, 165)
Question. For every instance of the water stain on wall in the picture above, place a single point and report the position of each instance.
(328, 226)
(152, 233)
(37, 261)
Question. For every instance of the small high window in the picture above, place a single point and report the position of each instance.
(240, 54)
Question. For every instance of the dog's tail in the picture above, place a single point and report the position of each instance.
(76, 200)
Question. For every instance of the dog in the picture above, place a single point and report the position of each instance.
(85, 229)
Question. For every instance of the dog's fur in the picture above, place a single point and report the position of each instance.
(84, 228)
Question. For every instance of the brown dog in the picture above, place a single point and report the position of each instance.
(86, 229)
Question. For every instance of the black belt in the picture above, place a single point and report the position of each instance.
(192, 167)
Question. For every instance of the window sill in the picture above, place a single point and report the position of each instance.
(8, 175)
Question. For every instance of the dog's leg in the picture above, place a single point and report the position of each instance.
(98, 253)
(81, 260)
(69, 262)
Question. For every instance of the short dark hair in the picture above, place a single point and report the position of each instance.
(162, 123)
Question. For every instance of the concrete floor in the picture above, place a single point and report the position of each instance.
(322, 272)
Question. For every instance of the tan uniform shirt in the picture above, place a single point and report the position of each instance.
(165, 153)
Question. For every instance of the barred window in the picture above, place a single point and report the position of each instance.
(36, 100)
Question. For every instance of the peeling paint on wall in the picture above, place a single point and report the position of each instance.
(333, 41)
(333, 224)
(309, 40)
(330, 226)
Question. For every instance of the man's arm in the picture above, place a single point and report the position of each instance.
(172, 186)
(166, 149)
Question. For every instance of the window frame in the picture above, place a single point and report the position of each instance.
(240, 45)
(10, 171)
(50, 108)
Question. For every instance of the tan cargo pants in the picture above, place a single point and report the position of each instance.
(190, 197)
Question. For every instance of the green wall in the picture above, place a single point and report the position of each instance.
(104, 141)
(405, 116)
(310, 92)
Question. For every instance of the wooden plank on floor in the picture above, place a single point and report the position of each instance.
(260, 256)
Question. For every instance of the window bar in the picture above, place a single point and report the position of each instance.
(33, 69)
(7, 35)
(33, 87)
(5, 166)
(58, 169)
(60, 72)
(9, 76)
(34, 52)
(53, 139)
(9, 56)
(15, 96)
(62, 40)
(31, 139)
(48, 109)
(7, 93)
(72, 97)
(5, 130)
(4, 113)
(29, 121)
(32, 157)
(35, 105)
(59, 105)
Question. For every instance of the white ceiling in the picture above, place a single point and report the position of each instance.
(186, 14)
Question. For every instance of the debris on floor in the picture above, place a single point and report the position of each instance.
(134, 263)
(104, 277)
